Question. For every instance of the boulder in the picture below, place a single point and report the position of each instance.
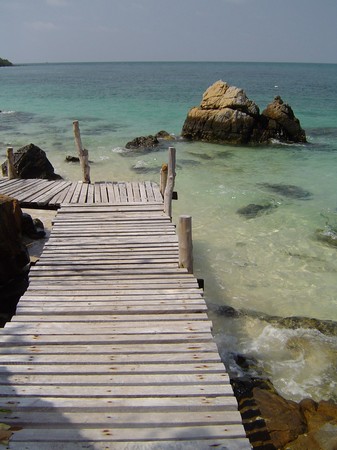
(14, 258)
(164, 135)
(13, 254)
(142, 143)
(226, 115)
(31, 161)
(281, 123)
(283, 418)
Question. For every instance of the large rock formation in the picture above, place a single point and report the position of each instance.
(31, 161)
(227, 115)
(14, 258)
(272, 422)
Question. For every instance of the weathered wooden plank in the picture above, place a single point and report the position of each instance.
(90, 194)
(117, 419)
(200, 444)
(104, 193)
(59, 197)
(112, 378)
(122, 351)
(32, 337)
(15, 186)
(109, 434)
(110, 192)
(107, 328)
(149, 191)
(122, 290)
(136, 192)
(106, 403)
(84, 192)
(75, 390)
(70, 193)
(49, 192)
(129, 192)
(116, 192)
(34, 189)
(121, 362)
(122, 191)
(77, 192)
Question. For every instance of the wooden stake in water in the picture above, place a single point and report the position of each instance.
(171, 174)
(82, 153)
(185, 243)
(11, 171)
(163, 178)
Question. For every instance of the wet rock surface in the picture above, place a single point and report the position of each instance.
(226, 115)
(31, 162)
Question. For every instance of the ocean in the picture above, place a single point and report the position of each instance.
(266, 278)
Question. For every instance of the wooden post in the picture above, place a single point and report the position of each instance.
(171, 174)
(163, 178)
(185, 243)
(11, 171)
(82, 153)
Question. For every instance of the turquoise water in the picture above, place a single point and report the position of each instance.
(267, 268)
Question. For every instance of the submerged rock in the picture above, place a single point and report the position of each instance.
(143, 142)
(227, 115)
(31, 161)
(287, 190)
(252, 210)
(73, 159)
(327, 235)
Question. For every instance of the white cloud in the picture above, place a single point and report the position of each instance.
(42, 26)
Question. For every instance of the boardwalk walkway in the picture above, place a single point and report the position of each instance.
(51, 194)
(111, 347)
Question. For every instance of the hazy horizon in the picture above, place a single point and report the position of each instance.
(48, 31)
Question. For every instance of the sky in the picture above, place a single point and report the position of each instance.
(39, 31)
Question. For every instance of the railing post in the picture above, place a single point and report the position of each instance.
(163, 178)
(185, 243)
(171, 174)
(82, 153)
(11, 171)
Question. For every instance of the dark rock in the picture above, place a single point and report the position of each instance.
(143, 142)
(252, 210)
(284, 419)
(281, 123)
(32, 162)
(14, 258)
(227, 115)
(74, 159)
(287, 190)
(164, 135)
(33, 229)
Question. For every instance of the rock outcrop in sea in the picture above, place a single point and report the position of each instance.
(227, 116)
(31, 161)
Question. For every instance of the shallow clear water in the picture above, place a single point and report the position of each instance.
(267, 266)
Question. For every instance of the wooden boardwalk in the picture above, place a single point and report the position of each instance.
(111, 347)
(51, 194)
